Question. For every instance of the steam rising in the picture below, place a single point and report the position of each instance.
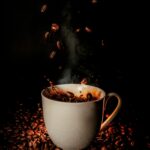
(71, 43)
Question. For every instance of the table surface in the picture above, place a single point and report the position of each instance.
(26, 130)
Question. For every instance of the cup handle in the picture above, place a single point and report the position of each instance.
(114, 113)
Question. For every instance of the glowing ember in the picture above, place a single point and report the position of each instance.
(43, 8)
(54, 27)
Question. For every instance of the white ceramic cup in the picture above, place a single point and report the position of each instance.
(71, 125)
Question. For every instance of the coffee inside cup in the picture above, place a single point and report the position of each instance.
(58, 94)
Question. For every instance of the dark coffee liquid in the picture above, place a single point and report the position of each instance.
(66, 96)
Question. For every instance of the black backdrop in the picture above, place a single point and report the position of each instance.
(123, 68)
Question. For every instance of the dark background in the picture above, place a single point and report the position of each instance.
(121, 66)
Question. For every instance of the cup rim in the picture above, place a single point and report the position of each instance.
(83, 102)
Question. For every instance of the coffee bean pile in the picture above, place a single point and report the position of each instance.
(59, 95)
(28, 132)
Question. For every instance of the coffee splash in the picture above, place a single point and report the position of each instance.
(59, 94)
